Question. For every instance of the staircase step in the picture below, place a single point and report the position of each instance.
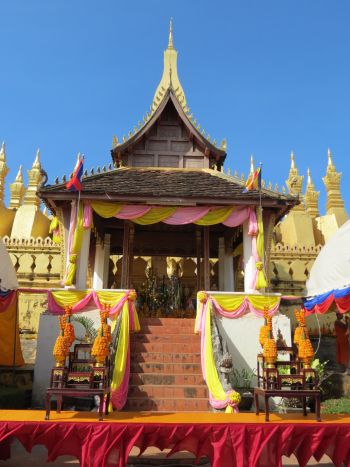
(168, 368)
(166, 357)
(164, 379)
(178, 322)
(168, 329)
(162, 391)
(167, 405)
(163, 338)
(189, 347)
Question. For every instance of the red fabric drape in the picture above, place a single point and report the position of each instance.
(106, 444)
(6, 301)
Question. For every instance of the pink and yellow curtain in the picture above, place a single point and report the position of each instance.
(147, 215)
(122, 302)
(228, 306)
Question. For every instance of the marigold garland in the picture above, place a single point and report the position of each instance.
(69, 333)
(305, 351)
(234, 397)
(270, 347)
(100, 348)
(264, 330)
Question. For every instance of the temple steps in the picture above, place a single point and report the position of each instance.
(168, 368)
(165, 369)
(159, 357)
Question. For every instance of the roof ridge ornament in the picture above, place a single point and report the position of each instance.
(171, 40)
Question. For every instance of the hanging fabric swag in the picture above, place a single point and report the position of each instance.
(147, 215)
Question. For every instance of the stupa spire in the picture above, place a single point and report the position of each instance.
(170, 79)
(251, 164)
(17, 190)
(294, 181)
(3, 172)
(311, 197)
(335, 203)
(34, 179)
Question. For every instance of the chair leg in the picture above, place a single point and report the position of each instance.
(47, 406)
(59, 404)
(100, 409)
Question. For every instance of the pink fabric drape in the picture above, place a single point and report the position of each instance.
(54, 308)
(87, 216)
(186, 215)
(132, 211)
(237, 217)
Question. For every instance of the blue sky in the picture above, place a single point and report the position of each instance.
(271, 76)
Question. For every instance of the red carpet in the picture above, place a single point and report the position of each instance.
(242, 440)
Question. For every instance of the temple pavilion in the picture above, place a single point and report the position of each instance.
(164, 208)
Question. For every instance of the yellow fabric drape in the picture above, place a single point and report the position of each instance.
(229, 302)
(261, 280)
(232, 302)
(54, 229)
(111, 298)
(8, 332)
(211, 374)
(261, 302)
(76, 247)
(155, 215)
(68, 297)
(216, 216)
(105, 209)
(121, 352)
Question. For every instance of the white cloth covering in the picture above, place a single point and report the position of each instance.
(331, 269)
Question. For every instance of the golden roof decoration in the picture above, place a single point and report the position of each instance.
(311, 197)
(169, 82)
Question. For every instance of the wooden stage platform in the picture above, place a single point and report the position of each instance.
(242, 440)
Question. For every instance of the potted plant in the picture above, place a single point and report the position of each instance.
(241, 381)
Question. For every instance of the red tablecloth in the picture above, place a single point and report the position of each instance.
(108, 443)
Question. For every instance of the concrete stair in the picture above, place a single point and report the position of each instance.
(165, 369)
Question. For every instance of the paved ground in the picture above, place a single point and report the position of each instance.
(37, 458)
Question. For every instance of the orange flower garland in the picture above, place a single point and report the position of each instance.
(69, 333)
(264, 330)
(270, 347)
(306, 351)
(60, 349)
(100, 348)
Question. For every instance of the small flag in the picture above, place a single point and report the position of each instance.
(254, 181)
(74, 184)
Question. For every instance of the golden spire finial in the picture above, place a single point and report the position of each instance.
(330, 160)
(171, 40)
(309, 181)
(292, 160)
(251, 164)
(36, 163)
(17, 190)
(19, 176)
(3, 152)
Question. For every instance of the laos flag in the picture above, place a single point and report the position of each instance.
(74, 184)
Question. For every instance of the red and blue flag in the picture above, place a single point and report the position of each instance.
(74, 184)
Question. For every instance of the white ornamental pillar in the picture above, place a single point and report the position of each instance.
(107, 253)
(222, 263)
(248, 259)
(83, 261)
(226, 273)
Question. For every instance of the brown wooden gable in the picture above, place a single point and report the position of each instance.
(168, 139)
